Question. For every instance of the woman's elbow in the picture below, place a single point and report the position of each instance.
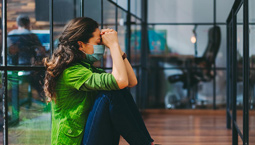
(132, 84)
(122, 83)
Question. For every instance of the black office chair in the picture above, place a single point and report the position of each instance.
(201, 67)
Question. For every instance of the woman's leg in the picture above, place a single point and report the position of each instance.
(99, 128)
(135, 111)
(122, 120)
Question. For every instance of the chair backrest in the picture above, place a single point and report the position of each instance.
(214, 40)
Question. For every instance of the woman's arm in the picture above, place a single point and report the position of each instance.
(132, 80)
(110, 39)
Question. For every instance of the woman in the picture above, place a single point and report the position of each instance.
(90, 106)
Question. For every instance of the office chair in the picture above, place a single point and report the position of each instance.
(200, 68)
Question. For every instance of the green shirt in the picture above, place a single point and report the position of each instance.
(76, 89)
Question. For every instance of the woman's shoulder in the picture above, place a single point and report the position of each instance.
(78, 65)
(83, 66)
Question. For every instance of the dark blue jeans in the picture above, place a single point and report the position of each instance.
(115, 113)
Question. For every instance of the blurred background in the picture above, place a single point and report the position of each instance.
(178, 50)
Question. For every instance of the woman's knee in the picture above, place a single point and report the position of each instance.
(112, 95)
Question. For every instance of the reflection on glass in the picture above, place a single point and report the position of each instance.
(29, 116)
(28, 35)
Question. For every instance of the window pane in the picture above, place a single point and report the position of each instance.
(251, 11)
(28, 33)
(180, 11)
(123, 4)
(135, 6)
(109, 13)
(29, 116)
(92, 9)
(61, 19)
(178, 39)
(135, 43)
(223, 8)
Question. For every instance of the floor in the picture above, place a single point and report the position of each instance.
(191, 127)
(167, 127)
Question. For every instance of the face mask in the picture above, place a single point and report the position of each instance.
(98, 53)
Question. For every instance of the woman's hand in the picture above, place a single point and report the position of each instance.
(109, 37)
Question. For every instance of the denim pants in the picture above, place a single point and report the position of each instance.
(115, 113)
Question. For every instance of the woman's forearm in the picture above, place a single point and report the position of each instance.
(132, 80)
(119, 69)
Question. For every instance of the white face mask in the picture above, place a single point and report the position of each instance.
(98, 53)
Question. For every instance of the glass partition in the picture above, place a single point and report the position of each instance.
(29, 117)
(180, 11)
(223, 8)
(135, 7)
(92, 9)
(28, 33)
(135, 41)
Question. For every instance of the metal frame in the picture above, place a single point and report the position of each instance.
(5, 98)
(232, 72)
(144, 56)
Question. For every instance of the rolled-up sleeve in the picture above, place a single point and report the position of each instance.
(103, 81)
(83, 79)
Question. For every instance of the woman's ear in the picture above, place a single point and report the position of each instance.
(80, 44)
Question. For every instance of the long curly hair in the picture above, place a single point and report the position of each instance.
(78, 29)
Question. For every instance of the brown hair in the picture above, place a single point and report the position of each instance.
(78, 29)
